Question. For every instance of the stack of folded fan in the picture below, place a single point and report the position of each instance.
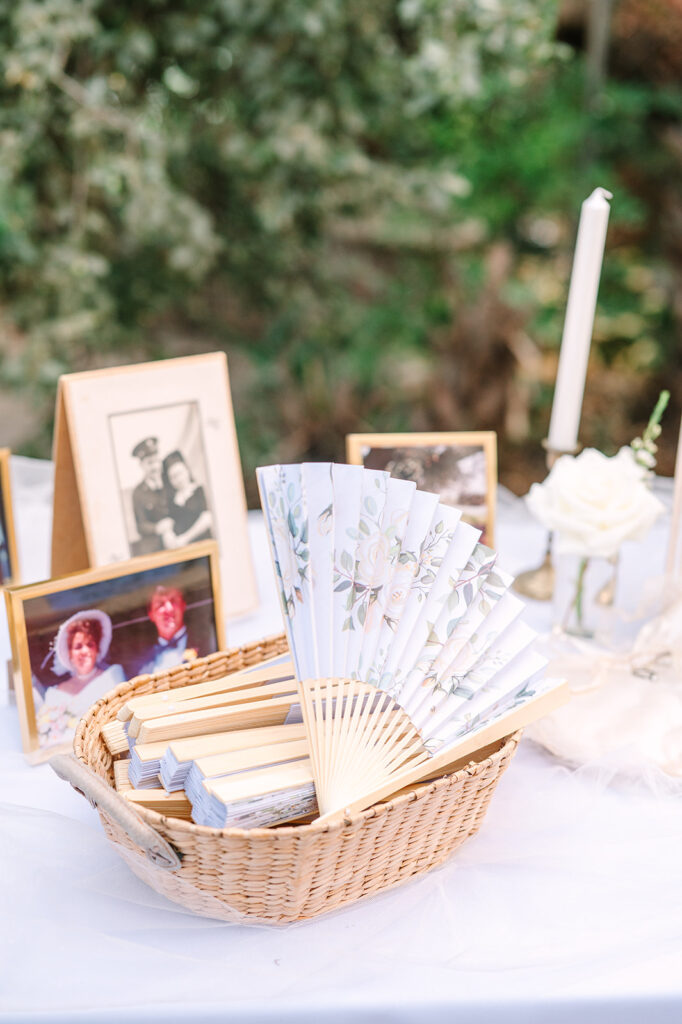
(231, 752)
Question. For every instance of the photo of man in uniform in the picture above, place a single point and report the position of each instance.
(150, 498)
(162, 477)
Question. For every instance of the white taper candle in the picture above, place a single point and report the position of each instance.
(577, 336)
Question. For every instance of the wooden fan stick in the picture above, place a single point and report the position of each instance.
(236, 681)
(193, 747)
(503, 726)
(396, 753)
(371, 742)
(261, 781)
(461, 762)
(253, 695)
(317, 732)
(358, 700)
(252, 757)
(213, 744)
(176, 805)
(391, 734)
(269, 712)
(176, 758)
(258, 749)
(328, 729)
(409, 749)
(328, 694)
(345, 728)
(155, 799)
(309, 725)
(325, 712)
(121, 780)
(390, 755)
(333, 728)
(198, 723)
(358, 736)
(115, 739)
(359, 713)
(402, 735)
(152, 751)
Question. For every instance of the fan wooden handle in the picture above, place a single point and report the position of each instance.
(102, 796)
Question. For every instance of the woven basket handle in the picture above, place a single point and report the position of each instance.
(100, 795)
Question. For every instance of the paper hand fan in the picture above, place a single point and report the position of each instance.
(407, 644)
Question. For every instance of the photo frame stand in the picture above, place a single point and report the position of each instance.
(69, 551)
(181, 409)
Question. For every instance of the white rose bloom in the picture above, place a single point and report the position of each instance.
(594, 503)
(396, 600)
(372, 556)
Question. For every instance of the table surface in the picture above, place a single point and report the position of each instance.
(567, 906)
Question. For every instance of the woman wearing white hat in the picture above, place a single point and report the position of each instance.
(81, 646)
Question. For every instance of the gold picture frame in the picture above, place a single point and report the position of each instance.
(9, 560)
(146, 459)
(449, 449)
(38, 612)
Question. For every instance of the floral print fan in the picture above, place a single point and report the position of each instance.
(407, 644)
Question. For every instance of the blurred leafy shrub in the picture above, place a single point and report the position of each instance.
(153, 148)
(364, 204)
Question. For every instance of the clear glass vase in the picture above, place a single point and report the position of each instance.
(584, 590)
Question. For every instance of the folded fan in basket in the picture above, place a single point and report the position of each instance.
(267, 795)
(177, 759)
(213, 739)
(407, 644)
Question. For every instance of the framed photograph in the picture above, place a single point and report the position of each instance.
(76, 638)
(9, 562)
(461, 467)
(146, 460)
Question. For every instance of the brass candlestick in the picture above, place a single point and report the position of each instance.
(539, 583)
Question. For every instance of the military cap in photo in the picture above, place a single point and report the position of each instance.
(150, 446)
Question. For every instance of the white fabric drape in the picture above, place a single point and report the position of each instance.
(567, 907)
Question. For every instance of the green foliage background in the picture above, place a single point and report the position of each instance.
(370, 207)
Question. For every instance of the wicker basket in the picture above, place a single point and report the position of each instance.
(284, 874)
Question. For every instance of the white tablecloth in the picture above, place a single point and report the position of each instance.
(566, 907)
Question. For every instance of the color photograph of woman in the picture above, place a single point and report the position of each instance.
(84, 641)
(162, 477)
(80, 647)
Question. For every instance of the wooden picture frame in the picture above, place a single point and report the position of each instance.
(374, 452)
(9, 560)
(134, 616)
(146, 459)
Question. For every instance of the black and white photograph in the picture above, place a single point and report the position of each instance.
(162, 475)
(79, 637)
(459, 467)
(147, 460)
